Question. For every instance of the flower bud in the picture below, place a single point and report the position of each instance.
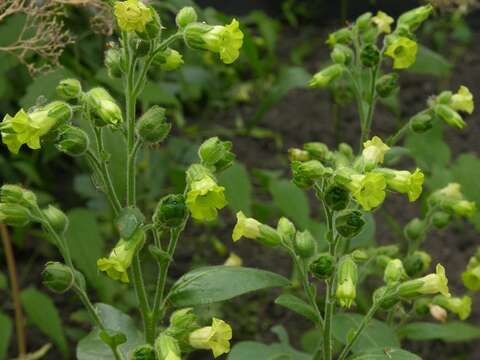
(412, 19)
(215, 337)
(114, 63)
(341, 54)
(60, 111)
(394, 272)
(417, 263)
(342, 36)
(421, 122)
(185, 16)
(143, 352)
(57, 277)
(103, 107)
(286, 230)
(14, 194)
(369, 55)
(14, 215)
(168, 60)
(216, 153)
(440, 219)
(305, 245)
(56, 218)
(317, 150)
(152, 126)
(450, 116)
(69, 89)
(171, 211)
(346, 150)
(386, 84)
(73, 141)
(233, 260)
(167, 347)
(415, 230)
(298, 155)
(388, 250)
(471, 277)
(182, 323)
(349, 223)
(327, 75)
(134, 16)
(306, 173)
(382, 260)
(337, 197)
(322, 267)
(438, 312)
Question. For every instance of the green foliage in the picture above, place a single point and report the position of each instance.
(6, 327)
(453, 331)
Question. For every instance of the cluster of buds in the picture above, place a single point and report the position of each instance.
(450, 199)
(17, 205)
(471, 275)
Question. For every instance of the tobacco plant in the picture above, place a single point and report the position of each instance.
(369, 54)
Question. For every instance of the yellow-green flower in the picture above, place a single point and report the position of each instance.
(132, 15)
(450, 116)
(172, 60)
(462, 100)
(120, 258)
(346, 293)
(28, 128)
(427, 285)
(225, 40)
(374, 151)
(462, 307)
(327, 75)
(405, 182)
(233, 260)
(245, 227)
(347, 278)
(204, 198)
(383, 22)
(215, 337)
(403, 51)
(368, 190)
(104, 109)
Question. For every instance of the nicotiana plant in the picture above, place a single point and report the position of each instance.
(349, 185)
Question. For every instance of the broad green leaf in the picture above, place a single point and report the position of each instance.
(41, 311)
(385, 353)
(291, 201)
(93, 348)
(376, 334)
(312, 339)
(218, 283)
(454, 331)
(86, 246)
(297, 305)
(366, 237)
(6, 332)
(44, 85)
(430, 62)
(249, 350)
(238, 188)
(429, 149)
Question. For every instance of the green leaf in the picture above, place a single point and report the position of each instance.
(297, 305)
(41, 311)
(218, 283)
(385, 353)
(116, 147)
(93, 348)
(430, 62)
(86, 246)
(454, 331)
(248, 350)
(6, 331)
(312, 339)
(376, 334)
(43, 85)
(238, 188)
(291, 201)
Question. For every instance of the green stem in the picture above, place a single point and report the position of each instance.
(329, 308)
(399, 134)
(371, 104)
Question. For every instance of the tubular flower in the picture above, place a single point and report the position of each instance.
(394, 272)
(347, 281)
(403, 51)
(132, 15)
(412, 19)
(368, 190)
(225, 40)
(383, 22)
(104, 109)
(462, 100)
(462, 307)
(204, 199)
(427, 285)
(255, 230)
(327, 75)
(450, 116)
(28, 128)
(120, 258)
(215, 337)
(374, 151)
(405, 182)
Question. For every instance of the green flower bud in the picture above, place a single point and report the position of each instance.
(216, 153)
(386, 84)
(412, 19)
(185, 16)
(450, 116)
(444, 98)
(421, 122)
(168, 60)
(132, 15)
(114, 63)
(342, 36)
(471, 276)
(103, 107)
(337, 197)
(382, 261)
(152, 126)
(182, 323)
(14, 194)
(440, 219)
(417, 263)
(349, 223)
(14, 215)
(57, 277)
(322, 267)
(306, 173)
(360, 255)
(298, 155)
(346, 150)
(69, 89)
(56, 218)
(318, 151)
(415, 230)
(370, 55)
(347, 278)
(167, 347)
(143, 352)
(286, 230)
(73, 141)
(363, 21)
(305, 245)
(383, 296)
(171, 211)
(341, 54)
(327, 75)
(394, 272)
